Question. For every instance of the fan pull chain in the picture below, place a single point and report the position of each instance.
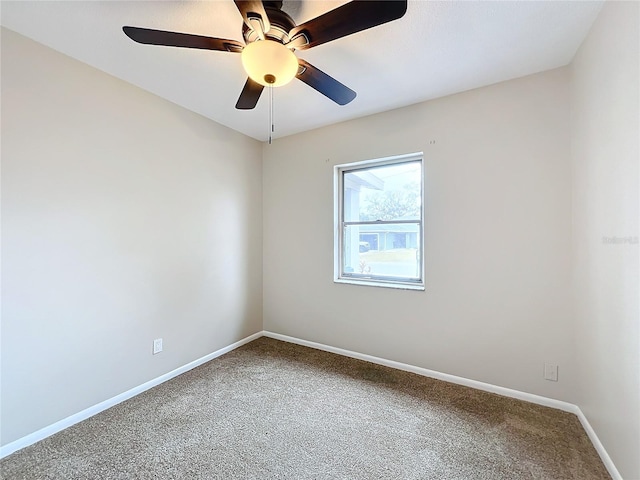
(271, 128)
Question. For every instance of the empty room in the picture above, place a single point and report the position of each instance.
(320, 239)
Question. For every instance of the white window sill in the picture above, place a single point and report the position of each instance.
(381, 283)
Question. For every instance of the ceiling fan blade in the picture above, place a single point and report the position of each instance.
(325, 84)
(174, 39)
(249, 96)
(349, 18)
(254, 15)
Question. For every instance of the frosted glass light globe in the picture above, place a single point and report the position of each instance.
(269, 63)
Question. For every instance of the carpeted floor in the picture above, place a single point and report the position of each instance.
(276, 410)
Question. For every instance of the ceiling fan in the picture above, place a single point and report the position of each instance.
(271, 36)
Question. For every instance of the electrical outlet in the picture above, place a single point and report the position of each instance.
(551, 372)
(157, 345)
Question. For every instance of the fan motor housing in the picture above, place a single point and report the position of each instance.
(281, 25)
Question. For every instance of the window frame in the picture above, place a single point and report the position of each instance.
(339, 225)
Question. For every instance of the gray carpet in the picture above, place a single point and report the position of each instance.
(276, 410)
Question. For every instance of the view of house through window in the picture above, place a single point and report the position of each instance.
(379, 212)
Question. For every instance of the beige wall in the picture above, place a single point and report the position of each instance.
(605, 143)
(124, 218)
(498, 224)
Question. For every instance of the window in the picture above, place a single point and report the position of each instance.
(379, 222)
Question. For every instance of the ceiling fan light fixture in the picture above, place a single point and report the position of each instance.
(269, 63)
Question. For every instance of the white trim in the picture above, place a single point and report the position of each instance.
(487, 387)
(380, 283)
(91, 411)
(604, 456)
(405, 157)
(339, 275)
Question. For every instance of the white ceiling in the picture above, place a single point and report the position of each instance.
(436, 49)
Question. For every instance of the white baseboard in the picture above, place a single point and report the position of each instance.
(604, 456)
(507, 392)
(91, 411)
(487, 387)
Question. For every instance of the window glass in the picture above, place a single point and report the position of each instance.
(387, 192)
(379, 215)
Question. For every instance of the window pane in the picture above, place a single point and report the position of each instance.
(389, 250)
(387, 193)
